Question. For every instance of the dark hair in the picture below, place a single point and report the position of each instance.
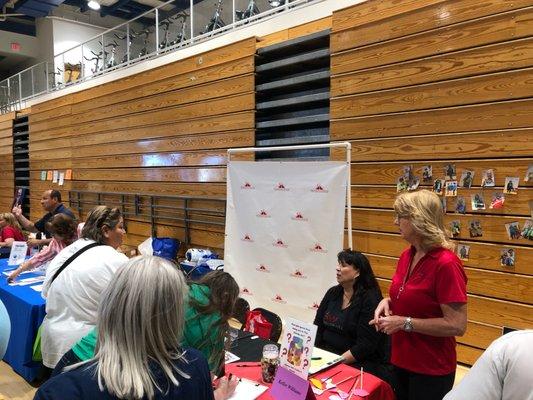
(366, 279)
(224, 292)
(55, 194)
(97, 218)
(64, 226)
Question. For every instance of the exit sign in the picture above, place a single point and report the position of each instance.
(15, 46)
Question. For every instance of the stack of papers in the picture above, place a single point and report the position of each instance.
(322, 359)
(248, 390)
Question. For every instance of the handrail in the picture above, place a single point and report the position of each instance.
(96, 56)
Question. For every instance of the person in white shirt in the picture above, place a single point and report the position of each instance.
(503, 372)
(72, 297)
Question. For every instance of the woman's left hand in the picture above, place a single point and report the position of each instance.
(390, 324)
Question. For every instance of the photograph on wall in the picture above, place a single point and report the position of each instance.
(455, 228)
(438, 186)
(487, 179)
(443, 203)
(527, 231)
(511, 184)
(475, 229)
(460, 205)
(513, 230)
(401, 184)
(529, 174)
(478, 202)
(20, 195)
(498, 200)
(507, 257)
(427, 173)
(413, 183)
(450, 173)
(463, 252)
(467, 178)
(451, 189)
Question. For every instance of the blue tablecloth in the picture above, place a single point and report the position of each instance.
(26, 309)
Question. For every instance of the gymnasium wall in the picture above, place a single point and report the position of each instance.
(162, 132)
(436, 82)
(7, 175)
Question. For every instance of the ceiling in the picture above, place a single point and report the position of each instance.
(31, 9)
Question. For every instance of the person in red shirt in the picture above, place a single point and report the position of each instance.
(9, 230)
(427, 304)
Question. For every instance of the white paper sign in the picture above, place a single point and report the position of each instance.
(18, 253)
(297, 347)
(55, 177)
(61, 178)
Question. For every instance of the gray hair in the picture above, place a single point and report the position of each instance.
(140, 320)
(97, 218)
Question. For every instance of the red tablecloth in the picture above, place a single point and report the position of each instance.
(378, 389)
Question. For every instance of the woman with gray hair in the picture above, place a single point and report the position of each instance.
(75, 280)
(138, 355)
(427, 304)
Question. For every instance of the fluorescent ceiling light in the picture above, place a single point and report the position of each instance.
(94, 5)
(275, 3)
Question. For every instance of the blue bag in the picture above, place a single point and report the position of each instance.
(166, 247)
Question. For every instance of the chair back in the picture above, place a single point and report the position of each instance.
(275, 320)
(240, 309)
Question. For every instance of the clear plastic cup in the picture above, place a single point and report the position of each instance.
(269, 362)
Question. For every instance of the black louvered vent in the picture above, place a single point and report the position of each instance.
(292, 96)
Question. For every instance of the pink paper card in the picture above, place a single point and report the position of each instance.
(289, 386)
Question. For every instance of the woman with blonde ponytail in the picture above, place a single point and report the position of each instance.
(427, 304)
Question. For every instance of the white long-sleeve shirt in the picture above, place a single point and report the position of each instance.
(503, 372)
(72, 300)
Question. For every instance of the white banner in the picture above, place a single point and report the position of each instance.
(284, 228)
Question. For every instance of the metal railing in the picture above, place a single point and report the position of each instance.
(181, 212)
(149, 35)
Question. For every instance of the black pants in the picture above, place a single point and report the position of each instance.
(412, 386)
(69, 358)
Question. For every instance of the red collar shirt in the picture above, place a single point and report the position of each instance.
(438, 278)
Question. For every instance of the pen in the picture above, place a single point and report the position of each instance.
(316, 358)
(247, 365)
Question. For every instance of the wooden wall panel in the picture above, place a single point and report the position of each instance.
(435, 83)
(7, 174)
(162, 132)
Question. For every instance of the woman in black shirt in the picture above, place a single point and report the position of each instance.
(344, 312)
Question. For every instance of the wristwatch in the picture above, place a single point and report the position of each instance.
(408, 325)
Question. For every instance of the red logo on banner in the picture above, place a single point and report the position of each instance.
(318, 248)
(319, 188)
(281, 186)
(247, 185)
(298, 274)
(263, 268)
(263, 214)
(246, 291)
(279, 299)
(247, 238)
(279, 243)
(314, 306)
(298, 216)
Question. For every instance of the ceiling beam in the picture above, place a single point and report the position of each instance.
(115, 7)
(15, 27)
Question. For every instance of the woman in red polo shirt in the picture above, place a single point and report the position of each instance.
(9, 230)
(427, 304)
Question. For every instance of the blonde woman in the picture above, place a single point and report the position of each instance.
(427, 304)
(138, 352)
(9, 230)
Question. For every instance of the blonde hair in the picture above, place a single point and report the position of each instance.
(11, 220)
(424, 210)
(140, 321)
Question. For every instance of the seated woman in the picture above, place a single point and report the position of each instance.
(208, 308)
(10, 230)
(344, 312)
(140, 323)
(63, 230)
(75, 280)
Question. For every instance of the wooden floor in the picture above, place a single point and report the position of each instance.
(13, 387)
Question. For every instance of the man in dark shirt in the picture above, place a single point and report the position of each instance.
(51, 202)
